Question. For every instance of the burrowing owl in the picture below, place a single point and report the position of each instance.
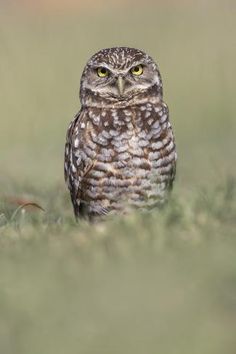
(120, 151)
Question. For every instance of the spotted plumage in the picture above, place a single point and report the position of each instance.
(120, 151)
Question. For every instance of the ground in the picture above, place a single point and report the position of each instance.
(162, 282)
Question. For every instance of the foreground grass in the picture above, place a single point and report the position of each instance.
(162, 282)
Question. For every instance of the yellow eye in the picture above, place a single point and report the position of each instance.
(137, 70)
(102, 72)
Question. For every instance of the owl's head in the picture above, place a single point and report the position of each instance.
(119, 74)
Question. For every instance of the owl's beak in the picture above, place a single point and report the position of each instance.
(121, 85)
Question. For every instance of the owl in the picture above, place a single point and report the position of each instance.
(120, 151)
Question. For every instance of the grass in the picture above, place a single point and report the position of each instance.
(162, 282)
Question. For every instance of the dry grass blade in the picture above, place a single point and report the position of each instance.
(25, 205)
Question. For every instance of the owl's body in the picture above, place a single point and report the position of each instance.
(120, 151)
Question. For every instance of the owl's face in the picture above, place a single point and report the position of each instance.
(119, 74)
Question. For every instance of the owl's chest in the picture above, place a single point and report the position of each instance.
(124, 132)
(125, 149)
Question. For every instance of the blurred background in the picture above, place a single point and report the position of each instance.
(163, 283)
(44, 46)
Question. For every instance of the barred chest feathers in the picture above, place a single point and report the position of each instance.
(126, 157)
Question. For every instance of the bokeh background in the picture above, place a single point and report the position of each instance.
(45, 45)
(163, 283)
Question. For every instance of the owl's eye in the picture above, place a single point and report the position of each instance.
(137, 70)
(102, 72)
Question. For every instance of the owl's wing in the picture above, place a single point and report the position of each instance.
(172, 159)
(173, 172)
(78, 165)
(74, 166)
